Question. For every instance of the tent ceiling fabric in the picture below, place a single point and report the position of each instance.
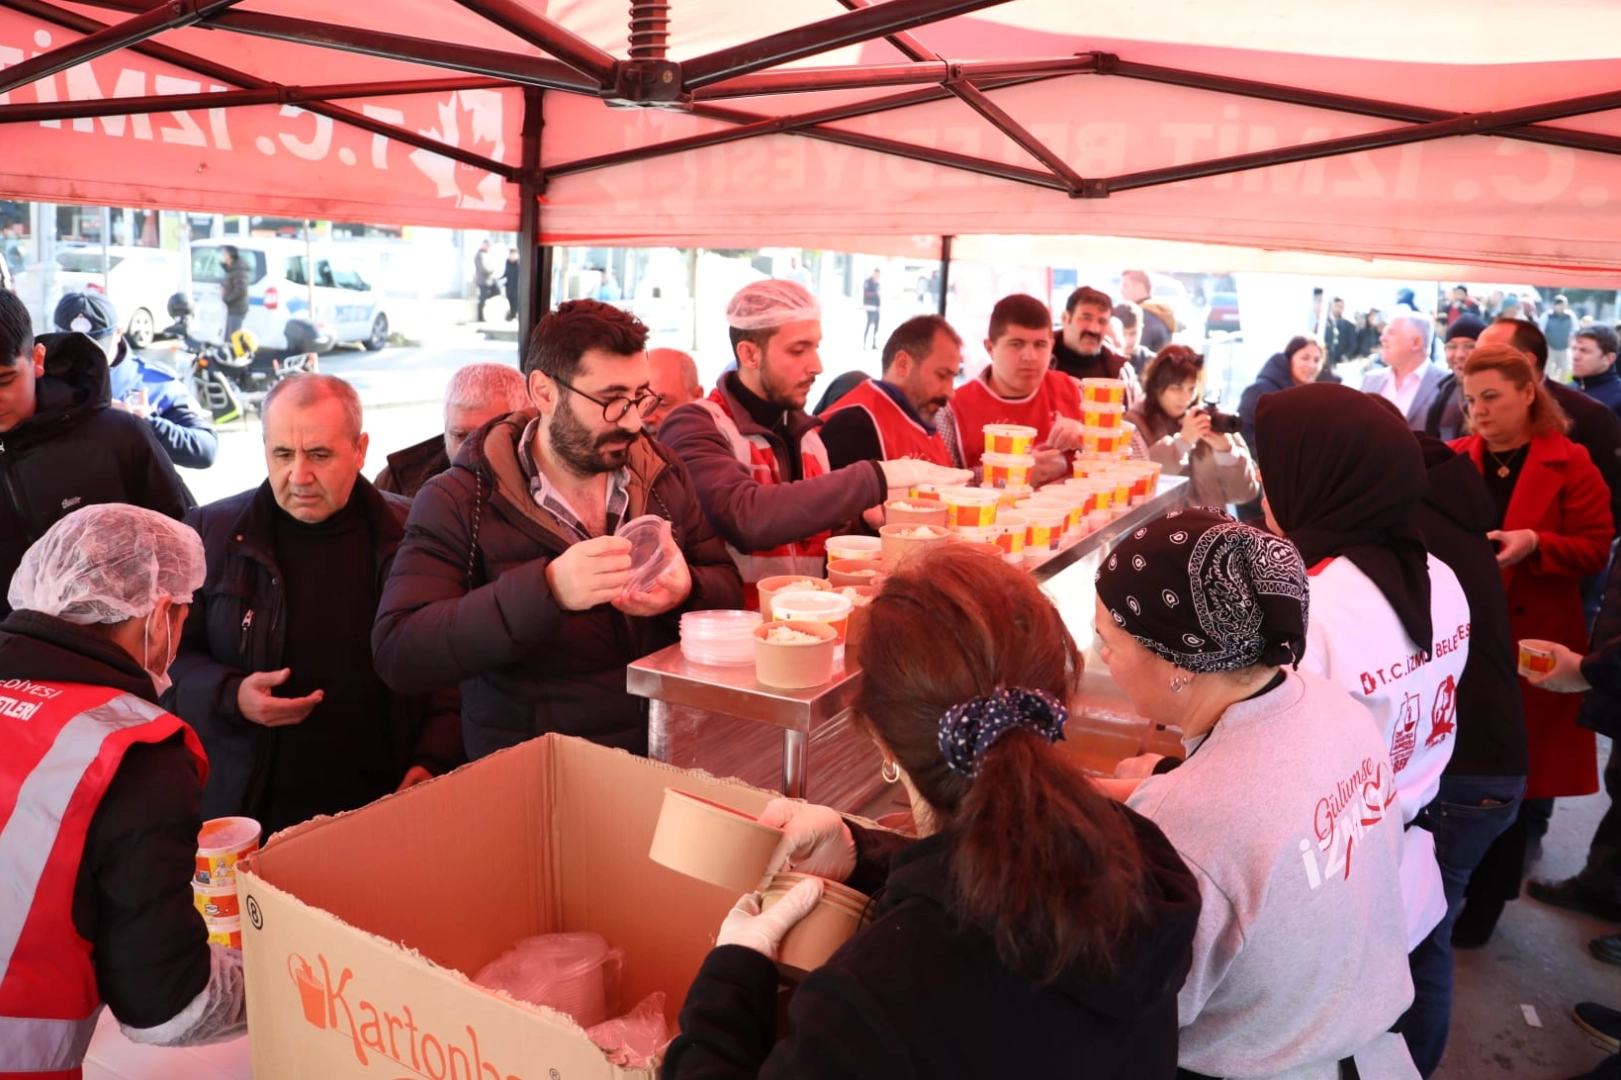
(1021, 118)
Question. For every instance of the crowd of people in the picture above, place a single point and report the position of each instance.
(1365, 777)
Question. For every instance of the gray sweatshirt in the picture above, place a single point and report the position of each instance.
(1286, 813)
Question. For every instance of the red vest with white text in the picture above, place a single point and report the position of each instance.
(974, 405)
(801, 557)
(899, 435)
(60, 746)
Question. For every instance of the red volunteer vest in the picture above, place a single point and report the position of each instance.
(60, 746)
(802, 557)
(975, 405)
(899, 436)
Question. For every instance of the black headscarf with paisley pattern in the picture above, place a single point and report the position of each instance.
(1208, 593)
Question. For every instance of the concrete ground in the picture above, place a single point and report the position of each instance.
(1537, 957)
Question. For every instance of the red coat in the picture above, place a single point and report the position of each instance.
(1561, 495)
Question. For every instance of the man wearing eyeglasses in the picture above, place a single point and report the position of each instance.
(511, 580)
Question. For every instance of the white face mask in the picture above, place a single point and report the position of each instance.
(160, 678)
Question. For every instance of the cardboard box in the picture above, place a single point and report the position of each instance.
(360, 931)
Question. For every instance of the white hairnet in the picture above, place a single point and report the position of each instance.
(107, 563)
(766, 305)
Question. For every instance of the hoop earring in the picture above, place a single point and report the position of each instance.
(891, 772)
(1180, 683)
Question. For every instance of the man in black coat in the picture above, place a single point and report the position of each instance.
(275, 668)
(61, 446)
(477, 394)
(1080, 352)
(511, 580)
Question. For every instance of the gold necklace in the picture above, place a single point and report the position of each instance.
(1504, 467)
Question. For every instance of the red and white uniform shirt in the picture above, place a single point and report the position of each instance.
(806, 556)
(60, 746)
(975, 405)
(899, 435)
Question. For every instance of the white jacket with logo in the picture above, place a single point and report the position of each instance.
(1355, 640)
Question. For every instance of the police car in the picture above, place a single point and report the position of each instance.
(287, 280)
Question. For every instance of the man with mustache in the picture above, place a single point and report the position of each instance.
(512, 581)
(274, 666)
(762, 472)
(1081, 353)
(894, 416)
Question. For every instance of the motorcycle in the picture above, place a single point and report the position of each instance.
(227, 378)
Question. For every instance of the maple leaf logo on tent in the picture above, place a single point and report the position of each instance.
(479, 114)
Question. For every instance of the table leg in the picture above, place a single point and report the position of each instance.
(795, 767)
(658, 730)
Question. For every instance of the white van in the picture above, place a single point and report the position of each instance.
(347, 309)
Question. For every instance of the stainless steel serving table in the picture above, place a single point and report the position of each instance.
(805, 743)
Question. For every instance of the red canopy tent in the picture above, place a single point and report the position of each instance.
(1468, 136)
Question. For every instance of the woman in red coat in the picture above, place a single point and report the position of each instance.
(1554, 528)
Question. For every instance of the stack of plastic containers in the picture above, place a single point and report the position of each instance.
(721, 638)
(220, 845)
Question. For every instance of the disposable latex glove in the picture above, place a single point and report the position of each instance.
(746, 926)
(815, 840)
(1140, 767)
(1565, 678)
(1065, 433)
(909, 472)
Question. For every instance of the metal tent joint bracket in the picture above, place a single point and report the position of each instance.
(1091, 189)
(646, 82)
(1103, 63)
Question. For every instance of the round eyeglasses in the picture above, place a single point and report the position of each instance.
(614, 409)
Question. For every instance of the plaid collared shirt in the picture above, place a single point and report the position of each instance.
(549, 499)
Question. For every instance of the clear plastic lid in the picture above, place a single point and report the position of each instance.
(649, 554)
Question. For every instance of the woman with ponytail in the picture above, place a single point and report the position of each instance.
(1035, 928)
(1285, 808)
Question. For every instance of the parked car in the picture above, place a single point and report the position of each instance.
(1223, 314)
(139, 282)
(347, 309)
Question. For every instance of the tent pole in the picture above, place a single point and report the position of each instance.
(945, 274)
(110, 39)
(534, 264)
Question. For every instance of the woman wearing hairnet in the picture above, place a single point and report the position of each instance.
(100, 795)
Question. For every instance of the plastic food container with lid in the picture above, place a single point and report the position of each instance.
(1007, 470)
(1097, 415)
(1046, 524)
(1009, 438)
(220, 845)
(829, 608)
(970, 506)
(1105, 442)
(1104, 391)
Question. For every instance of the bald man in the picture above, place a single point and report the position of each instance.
(675, 380)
